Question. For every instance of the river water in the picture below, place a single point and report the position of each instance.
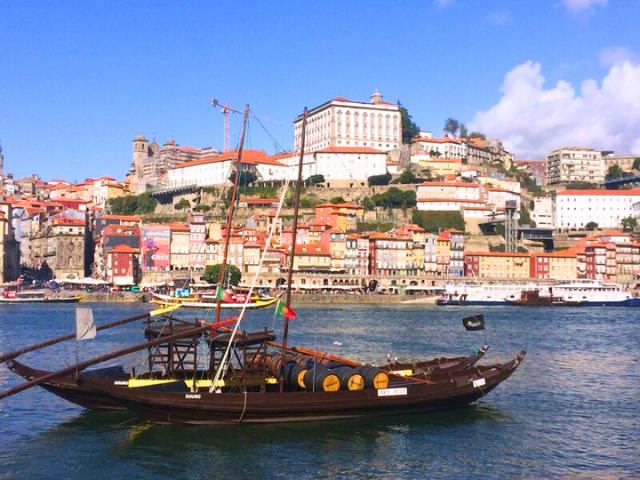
(570, 411)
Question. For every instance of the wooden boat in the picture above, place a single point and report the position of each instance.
(210, 303)
(532, 298)
(179, 403)
(75, 389)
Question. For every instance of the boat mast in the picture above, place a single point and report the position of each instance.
(232, 207)
(294, 233)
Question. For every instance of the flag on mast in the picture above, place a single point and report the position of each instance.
(283, 311)
(85, 326)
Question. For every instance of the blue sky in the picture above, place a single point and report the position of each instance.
(78, 80)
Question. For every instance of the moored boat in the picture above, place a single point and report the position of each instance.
(36, 296)
(584, 292)
(533, 298)
(209, 302)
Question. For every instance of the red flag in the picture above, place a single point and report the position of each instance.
(289, 313)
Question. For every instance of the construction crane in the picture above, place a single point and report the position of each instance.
(225, 110)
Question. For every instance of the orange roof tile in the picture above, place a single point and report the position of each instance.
(339, 149)
(123, 249)
(450, 184)
(248, 157)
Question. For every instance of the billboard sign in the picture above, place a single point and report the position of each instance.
(156, 248)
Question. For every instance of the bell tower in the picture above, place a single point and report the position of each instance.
(1, 161)
(140, 149)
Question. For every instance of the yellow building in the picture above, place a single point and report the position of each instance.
(440, 166)
(312, 257)
(497, 265)
(562, 265)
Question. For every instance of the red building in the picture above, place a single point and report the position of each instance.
(122, 265)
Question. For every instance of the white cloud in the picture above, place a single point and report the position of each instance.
(612, 55)
(499, 17)
(533, 120)
(584, 6)
(443, 3)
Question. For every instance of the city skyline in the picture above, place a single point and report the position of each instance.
(80, 83)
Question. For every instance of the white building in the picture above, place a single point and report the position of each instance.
(216, 169)
(449, 191)
(343, 166)
(498, 197)
(607, 208)
(345, 123)
(575, 164)
(543, 212)
(445, 147)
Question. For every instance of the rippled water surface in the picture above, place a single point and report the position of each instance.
(570, 411)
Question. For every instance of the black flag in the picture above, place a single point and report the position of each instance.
(474, 323)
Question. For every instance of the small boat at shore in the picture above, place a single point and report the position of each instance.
(36, 296)
(209, 301)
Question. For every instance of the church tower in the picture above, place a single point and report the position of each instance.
(1, 161)
(140, 156)
(140, 150)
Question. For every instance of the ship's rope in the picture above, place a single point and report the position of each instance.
(244, 407)
(148, 354)
(224, 363)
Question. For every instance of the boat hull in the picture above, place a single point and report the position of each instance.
(167, 300)
(41, 300)
(204, 408)
(76, 392)
(80, 393)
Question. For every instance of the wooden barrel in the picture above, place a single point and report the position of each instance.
(274, 364)
(321, 379)
(349, 378)
(294, 375)
(373, 377)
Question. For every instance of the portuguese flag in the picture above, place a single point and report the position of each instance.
(222, 295)
(286, 312)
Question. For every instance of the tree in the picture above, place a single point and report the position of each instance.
(368, 204)
(182, 204)
(315, 179)
(202, 208)
(475, 134)
(247, 177)
(437, 221)
(409, 129)
(464, 133)
(374, 180)
(451, 126)
(629, 224)
(212, 273)
(581, 186)
(591, 226)
(395, 198)
(636, 163)
(132, 204)
(614, 172)
(433, 153)
(335, 200)
(408, 177)
(525, 218)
